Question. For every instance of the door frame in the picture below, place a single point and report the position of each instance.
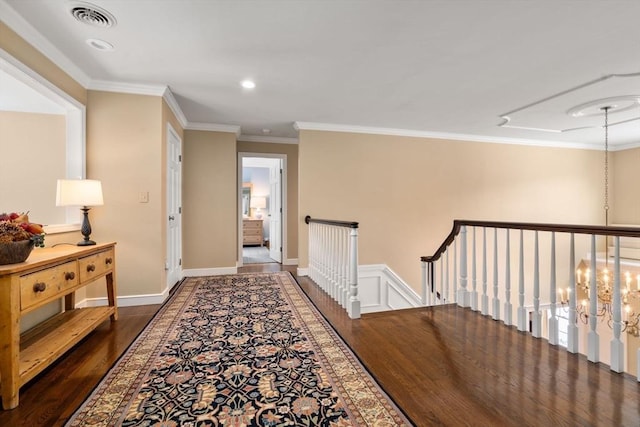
(283, 226)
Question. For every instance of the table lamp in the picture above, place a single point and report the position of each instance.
(84, 193)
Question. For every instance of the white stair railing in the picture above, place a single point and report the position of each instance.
(333, 261)
(541, 304)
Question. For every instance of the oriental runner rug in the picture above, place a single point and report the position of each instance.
(238, 350)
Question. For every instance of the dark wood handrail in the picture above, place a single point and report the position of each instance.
(559, 228)
(347, 224)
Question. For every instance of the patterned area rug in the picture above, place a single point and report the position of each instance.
(238, 350)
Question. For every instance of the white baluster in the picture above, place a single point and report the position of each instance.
(339, 264)
(442, 301)
(463, 297)
(507, 283)
(354, 302)
(454, 284)
(496, 300)
(446, 280)
(537, 316)
(313, 257)
(553, 321)
(485, 297)
(522, 312)
(474, 277)
(572, 332)
(593, 339)
(344, 298)
(617, 347)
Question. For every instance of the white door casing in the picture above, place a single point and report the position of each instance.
(275, 212)
(173, 263)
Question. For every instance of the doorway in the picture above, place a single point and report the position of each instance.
(261, 207)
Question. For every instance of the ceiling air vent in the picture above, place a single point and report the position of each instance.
(90, 14)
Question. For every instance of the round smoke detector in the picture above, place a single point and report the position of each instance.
(91, 14)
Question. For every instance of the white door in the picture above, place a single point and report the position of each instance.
(275, 212)
(173, 263)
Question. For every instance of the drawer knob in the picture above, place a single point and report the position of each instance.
(90, 268)
(70, 275)
(108, 261)
(39, 287)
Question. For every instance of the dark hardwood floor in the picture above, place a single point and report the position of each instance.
(443, 366)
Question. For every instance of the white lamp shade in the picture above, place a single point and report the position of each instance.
(259, 202)
(79, 192)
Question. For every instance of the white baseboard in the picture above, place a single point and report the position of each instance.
(381, 289)
(303, 271)
(126, 301)
(290, 261)
(194, 272)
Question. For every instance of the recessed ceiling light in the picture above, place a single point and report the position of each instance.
(248, 84)
(99, 44)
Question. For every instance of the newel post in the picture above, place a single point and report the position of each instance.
(463, 299)
(354, 302)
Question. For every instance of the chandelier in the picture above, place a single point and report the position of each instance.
(603, 280)
(604, 291)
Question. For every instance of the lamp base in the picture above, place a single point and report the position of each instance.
(86, 228)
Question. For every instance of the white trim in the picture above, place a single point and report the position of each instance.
(61, 228)
(284, 201)
(329, 127)
(218, 271)
(25, 30)
(174, 106)
(267, 139)
(290, 261)
(132, 88)
(126, 300)
(302, 271)
(381, 289)
(213, 127)
(75, 137)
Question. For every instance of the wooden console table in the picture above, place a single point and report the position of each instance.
(47, 275)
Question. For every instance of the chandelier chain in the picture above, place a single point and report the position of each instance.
(606, 165)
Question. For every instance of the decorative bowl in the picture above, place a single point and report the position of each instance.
(15, 252)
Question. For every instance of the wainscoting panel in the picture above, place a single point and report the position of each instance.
(381, 290)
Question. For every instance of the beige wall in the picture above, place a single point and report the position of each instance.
(405, 192)
(209, 200)
(17, 47)
(33, 147)
(625, 178)
(291, 151)
(125, 151)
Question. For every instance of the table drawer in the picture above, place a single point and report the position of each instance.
(45, 285)
(95, 265)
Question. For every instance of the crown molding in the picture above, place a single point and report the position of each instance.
(624, 146)
(329, 127)
(132, 88)
(213, 127)
(267, 139)
(175, 107)
(25, 30)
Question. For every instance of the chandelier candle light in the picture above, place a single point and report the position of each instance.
(84, 193)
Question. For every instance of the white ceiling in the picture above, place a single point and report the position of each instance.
(456, 69)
